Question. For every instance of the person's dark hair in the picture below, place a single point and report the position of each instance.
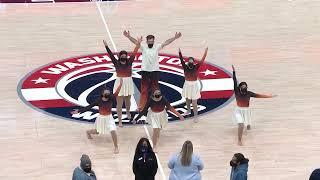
(240, 158)
(150, 37)
(315, 175)
(139, 145)
(242, 83)
(85, 162)
(191, 58)
(123, 52)
(105, 87)
(157, 89)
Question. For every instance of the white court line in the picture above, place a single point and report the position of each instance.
(145, 127)
(106, 26)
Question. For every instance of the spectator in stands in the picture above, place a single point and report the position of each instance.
(145, 163)
(185, 165)
(239, 166)
(315, 175)
(84, 172)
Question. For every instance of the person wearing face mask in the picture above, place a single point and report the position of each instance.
(157, 115)
(242, 114)
(239, 167)
(145, 163)
(104, 122)
(191, 88)
(123, 68)
(84, 172)
(150, 64)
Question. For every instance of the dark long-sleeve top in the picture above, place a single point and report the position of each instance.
(155, 106)
(122, 70)
(243, 100)
(190, 74)
(105, 107)
(145, 165)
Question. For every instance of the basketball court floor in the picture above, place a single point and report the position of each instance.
(274, 45)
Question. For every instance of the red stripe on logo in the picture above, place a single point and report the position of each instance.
(216, 94)
(51, 103)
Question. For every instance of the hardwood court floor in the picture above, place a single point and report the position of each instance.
(274, 45)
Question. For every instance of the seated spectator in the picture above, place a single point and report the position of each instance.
(84, 172)
(185, 165)
(239, 166)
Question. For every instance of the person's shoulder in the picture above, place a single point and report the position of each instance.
(196, 156)
(143, 45)
(174, 155)
(77, 170)
(159, 46)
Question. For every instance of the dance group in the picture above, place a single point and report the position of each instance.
(152, 103)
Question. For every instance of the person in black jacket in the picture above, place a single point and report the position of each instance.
(145, 163)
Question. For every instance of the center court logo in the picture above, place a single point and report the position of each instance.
(62, 86)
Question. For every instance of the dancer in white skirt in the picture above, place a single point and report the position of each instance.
(242, 114)
(123, 68)
(104, 122)
(191, 88)
(157, 115)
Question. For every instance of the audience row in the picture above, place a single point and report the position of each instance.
(184, 165)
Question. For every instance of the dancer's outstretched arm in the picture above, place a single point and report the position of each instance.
(169, 41)
(170, 108)
(136, 48)
(235, 82)
(181, 58)
(204, 55)
(84, 109)
(111, 55)
(144, 111)
(127, 34)
(264, 96)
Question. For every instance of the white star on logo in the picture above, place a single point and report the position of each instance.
(40, 80)
(208, 72)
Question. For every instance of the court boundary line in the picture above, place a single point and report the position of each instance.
(114, 47)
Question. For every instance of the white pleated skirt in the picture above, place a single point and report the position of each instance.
(127, 88)
(157, 119)
(191, 90)
(105, 124)
(242, 115)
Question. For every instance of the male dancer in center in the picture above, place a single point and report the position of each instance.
(150, 64)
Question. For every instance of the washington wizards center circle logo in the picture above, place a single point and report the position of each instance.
(58, 88)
